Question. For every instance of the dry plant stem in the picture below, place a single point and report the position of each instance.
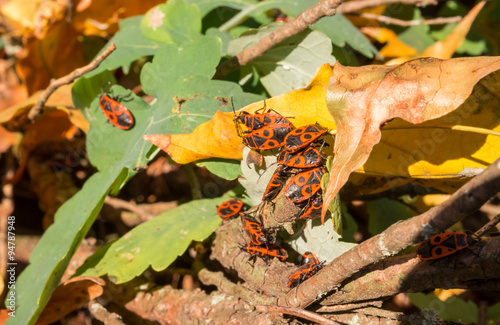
(132, 207)
(217, 279)
(306, 19)
(466, 200)
(347, 307)
(296, 312)
(407, 23)
(487, 227)
(100, 313)
(54, 84)
(352, 6)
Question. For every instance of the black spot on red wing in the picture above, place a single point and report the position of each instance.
(307, 136)
(272, 143)
(266, 133)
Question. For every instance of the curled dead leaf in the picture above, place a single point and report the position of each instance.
(73, 294)
(361, 99)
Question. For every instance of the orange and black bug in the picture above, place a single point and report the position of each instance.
(254, 231)
(313, 209)
(443, 245)
(311, 157)
(303, 136)
(267, 137)
(304, 185)
(266, 252)
(115, 112)
(275, 184)
(258, 120)
(230, 208)
(310, 266)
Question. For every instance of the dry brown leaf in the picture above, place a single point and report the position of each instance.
(101, 19)
(7, 139)
(73, 294)
(361, 99)
(15, 117)
(52, 126)
(53, 56)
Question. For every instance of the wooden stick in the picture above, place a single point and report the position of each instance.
(54, 84)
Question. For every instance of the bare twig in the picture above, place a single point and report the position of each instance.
(54, 84)
(296, 312)
(307, 18)
(346, 307)
(467, 199)
(120, 204)
(100, 313)
(487, 227)
(407, 23)
(352, 6)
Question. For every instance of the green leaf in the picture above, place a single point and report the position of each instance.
(84, 90)
(170, 233)
(173, 22)
(131, 44)
(186, 95)
(108, 145)
(453, 309)
(289, 65)
(415, 36)
(385, 212)
(51, 256)
(227, 169)
(223, 36)
(493, 312)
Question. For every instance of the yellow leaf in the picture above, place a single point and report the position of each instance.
(218, 137)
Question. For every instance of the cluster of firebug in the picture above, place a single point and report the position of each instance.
(300, 169)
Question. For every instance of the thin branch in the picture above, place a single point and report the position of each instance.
(306, 19)
(352, 6)
(487, 227)
(466, 200)
(349, 307)
(406, 23)
(54, 84)
(296, 312)
(120, 204)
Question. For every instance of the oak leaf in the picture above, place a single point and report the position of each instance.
(361, 99)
